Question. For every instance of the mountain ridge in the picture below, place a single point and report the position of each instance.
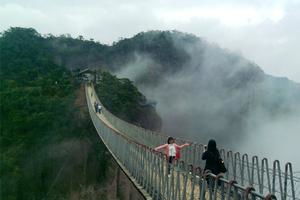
(218, 85)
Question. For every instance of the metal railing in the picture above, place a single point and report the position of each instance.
(253, 172)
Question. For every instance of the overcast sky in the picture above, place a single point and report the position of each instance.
(264, 31)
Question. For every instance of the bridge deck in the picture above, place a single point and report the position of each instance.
(92, 99)
(147, 170)
(173, 178)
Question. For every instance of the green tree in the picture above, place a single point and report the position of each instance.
(124, 100)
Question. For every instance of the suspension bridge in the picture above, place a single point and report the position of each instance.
(132, 147)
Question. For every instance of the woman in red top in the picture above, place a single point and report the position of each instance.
(172, 151)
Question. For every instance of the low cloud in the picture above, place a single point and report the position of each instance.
(210, 98)
(265, 32)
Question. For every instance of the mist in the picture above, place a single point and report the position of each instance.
(273, 138)
(219, 94)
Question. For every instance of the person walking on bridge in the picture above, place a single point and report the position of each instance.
(172, 151)
(99, 108)
(96, 106)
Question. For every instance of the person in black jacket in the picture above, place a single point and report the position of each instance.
(212, 156)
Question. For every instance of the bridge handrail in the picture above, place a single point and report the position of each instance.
(147, 169)
(246, 172)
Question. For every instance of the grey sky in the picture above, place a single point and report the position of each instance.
(266, 32)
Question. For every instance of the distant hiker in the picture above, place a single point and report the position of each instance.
(172, 151)
(96, 106)
(99, 108)
(214, 162)
(91, 93)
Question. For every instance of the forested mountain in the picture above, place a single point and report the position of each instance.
(123, 99)
(76, 53)
(197, 85)
(204, 92)
(201, 90)
(42, 128)
(49, 148)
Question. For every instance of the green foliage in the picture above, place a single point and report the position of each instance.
(119, 96)
(124, 100)
(40, 127)
(23, 55)
(159, 45)
(76, 53)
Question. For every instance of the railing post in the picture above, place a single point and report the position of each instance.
(149, 169)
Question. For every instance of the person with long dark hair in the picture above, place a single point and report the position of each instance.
(214, 162)
(213, 159)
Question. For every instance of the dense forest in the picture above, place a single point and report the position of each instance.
(42, 127)
(49, 148)
(123, 99)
